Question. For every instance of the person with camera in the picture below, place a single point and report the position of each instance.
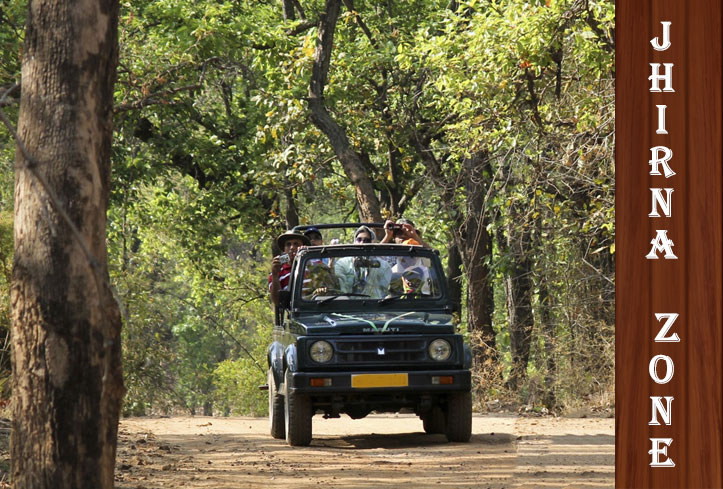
(364, 275)
(280, 275)
(402, 232)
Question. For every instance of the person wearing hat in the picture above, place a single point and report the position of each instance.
(364, 235)
(318, 276)
(316, 239)
(314, 236)
(280, 275)
(402, 232)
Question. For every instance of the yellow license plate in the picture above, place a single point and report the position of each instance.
(363, 381)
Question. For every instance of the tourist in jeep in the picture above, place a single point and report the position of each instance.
(362, 275)
(289, 242)
(402, 232)
(314, 235)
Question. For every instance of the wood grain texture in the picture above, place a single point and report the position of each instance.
(692, 285)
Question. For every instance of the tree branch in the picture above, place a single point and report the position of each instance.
(350, 6)
(160, 97)
(534, 99)
(300, 10)
(14, 90)
(352, 162)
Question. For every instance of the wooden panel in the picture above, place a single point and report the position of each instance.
(692, 285)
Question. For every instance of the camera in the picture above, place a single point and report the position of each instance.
(394, 227)
(284, 258)
(364, 262)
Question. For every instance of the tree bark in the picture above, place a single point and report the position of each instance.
(518, 290)
(548, 329)
(67, 378)
(289, 13)
(351, 161)
(476, 248)
(454, 276)
(292, 212)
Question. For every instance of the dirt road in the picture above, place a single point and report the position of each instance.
(378, 451)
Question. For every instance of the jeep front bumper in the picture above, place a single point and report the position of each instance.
(360, 382)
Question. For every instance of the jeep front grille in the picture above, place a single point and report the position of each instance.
(380, 351)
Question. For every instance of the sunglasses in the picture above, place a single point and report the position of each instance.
(363, 240)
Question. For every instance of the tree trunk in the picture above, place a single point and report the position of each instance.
(351, 161)
(518, 290)
(548, 328)
(208, 408)
(292, 212)
(454, 276)
(67, 379)
(476, 248)
(471, 239)
(289, 13)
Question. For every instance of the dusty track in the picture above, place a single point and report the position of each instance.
(378, 451)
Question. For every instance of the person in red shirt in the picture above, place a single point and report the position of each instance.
(280, 274)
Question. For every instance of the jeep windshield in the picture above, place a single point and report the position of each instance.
(377, 275)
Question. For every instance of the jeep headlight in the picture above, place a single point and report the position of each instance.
(321, 351)
(440, 350)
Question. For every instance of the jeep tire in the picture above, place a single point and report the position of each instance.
(297, 416)
(433, 421)
(459, 417)
(276, 409)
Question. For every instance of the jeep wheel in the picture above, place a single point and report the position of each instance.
(297, 417)
(459, 417)
(276, 409)
(434, 421)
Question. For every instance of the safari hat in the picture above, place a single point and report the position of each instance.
(283, 238)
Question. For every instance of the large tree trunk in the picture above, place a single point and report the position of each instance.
(351, 161)
(476, 248)
(67, 379)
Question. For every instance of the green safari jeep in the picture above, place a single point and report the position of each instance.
(363, 328)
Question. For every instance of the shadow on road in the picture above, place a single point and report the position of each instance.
(404, 440)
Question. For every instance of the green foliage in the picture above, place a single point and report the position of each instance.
(237, 388)
(194, 296)
(6, 259)
(12, 24)
(533, 87)
(214, 148)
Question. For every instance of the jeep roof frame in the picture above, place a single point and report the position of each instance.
(341, 225)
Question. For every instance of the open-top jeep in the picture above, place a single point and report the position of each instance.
(362, 328)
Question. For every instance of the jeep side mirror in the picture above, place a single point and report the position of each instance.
(284, 299)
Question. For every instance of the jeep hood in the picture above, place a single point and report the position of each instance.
(372, 323)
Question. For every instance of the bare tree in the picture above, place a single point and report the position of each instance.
(67, 379)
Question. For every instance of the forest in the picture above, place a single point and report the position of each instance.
(489, 123)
